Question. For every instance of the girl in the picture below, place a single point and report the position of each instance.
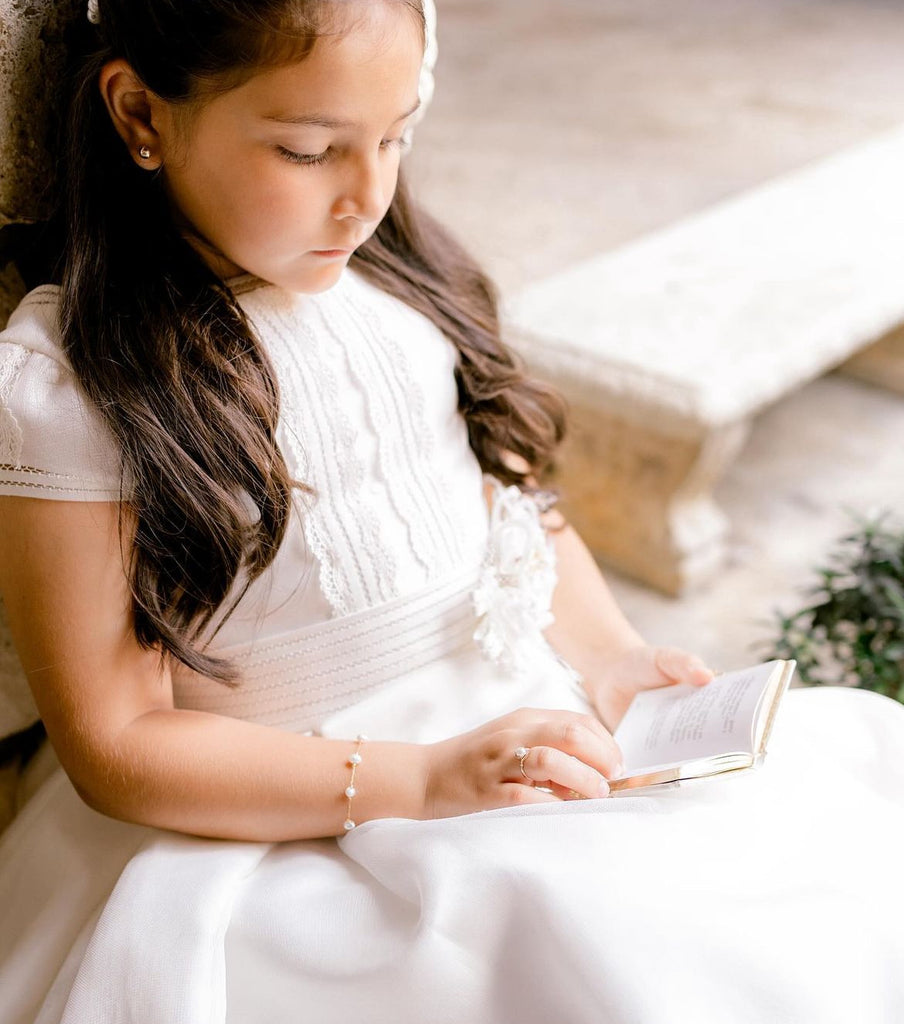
(272, 486)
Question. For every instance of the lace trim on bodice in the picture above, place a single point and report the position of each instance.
(407, 443)
(12, 359)
(357, 427)
(323, 449)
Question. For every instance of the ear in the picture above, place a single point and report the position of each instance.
(132, 108)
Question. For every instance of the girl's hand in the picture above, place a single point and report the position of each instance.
(569, 753)
(616, 679)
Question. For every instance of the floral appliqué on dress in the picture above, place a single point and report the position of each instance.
(517, 579)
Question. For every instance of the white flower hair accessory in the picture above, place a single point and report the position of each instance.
(93, 12)
(426, 85)
(517, 579)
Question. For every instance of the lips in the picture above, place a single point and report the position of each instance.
(342, 248)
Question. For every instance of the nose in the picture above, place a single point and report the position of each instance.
(362, 194)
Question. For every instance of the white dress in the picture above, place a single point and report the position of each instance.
(772, 896)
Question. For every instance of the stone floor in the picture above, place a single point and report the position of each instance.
(563, 128)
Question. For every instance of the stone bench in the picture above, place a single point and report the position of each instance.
(667, 348)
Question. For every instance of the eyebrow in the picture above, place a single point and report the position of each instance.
(323, 121)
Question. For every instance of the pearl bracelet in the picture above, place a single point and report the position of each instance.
(350, 791)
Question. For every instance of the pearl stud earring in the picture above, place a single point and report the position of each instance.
(145, 152)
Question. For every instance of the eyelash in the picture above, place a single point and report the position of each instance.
(307, 160)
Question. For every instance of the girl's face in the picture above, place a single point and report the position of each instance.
(269, 177)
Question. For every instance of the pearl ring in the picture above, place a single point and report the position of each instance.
(521, 753)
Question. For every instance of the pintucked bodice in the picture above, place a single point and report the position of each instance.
(369, 419)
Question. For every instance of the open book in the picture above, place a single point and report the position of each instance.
(688, 732)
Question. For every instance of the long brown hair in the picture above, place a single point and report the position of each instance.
(161, 346)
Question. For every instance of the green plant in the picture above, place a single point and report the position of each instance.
(853, 631)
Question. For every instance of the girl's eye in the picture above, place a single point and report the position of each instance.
(400, 143)
(312, 159)
(302, 158)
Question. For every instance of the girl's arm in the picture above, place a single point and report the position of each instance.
(589, 625)
(592, 634)
(108, 709)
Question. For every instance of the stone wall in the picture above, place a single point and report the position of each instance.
(32, 34)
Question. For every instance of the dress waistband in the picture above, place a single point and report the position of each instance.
(296, 679)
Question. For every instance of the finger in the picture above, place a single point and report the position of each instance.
(567, 794)
(583, 736)
(588, 740)
(682, 667)
(595, 726)
(565, 718)
(553, 767)
(514, 793)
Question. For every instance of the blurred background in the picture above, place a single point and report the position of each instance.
(562, 129)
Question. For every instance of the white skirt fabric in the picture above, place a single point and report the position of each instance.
(769, 896)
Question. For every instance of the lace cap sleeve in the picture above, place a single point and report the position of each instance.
(53, 443)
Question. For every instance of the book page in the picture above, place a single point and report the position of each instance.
(673, 724)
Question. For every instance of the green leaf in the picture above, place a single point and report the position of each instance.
(852, 627)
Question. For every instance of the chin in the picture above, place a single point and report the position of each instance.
(311, 284)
